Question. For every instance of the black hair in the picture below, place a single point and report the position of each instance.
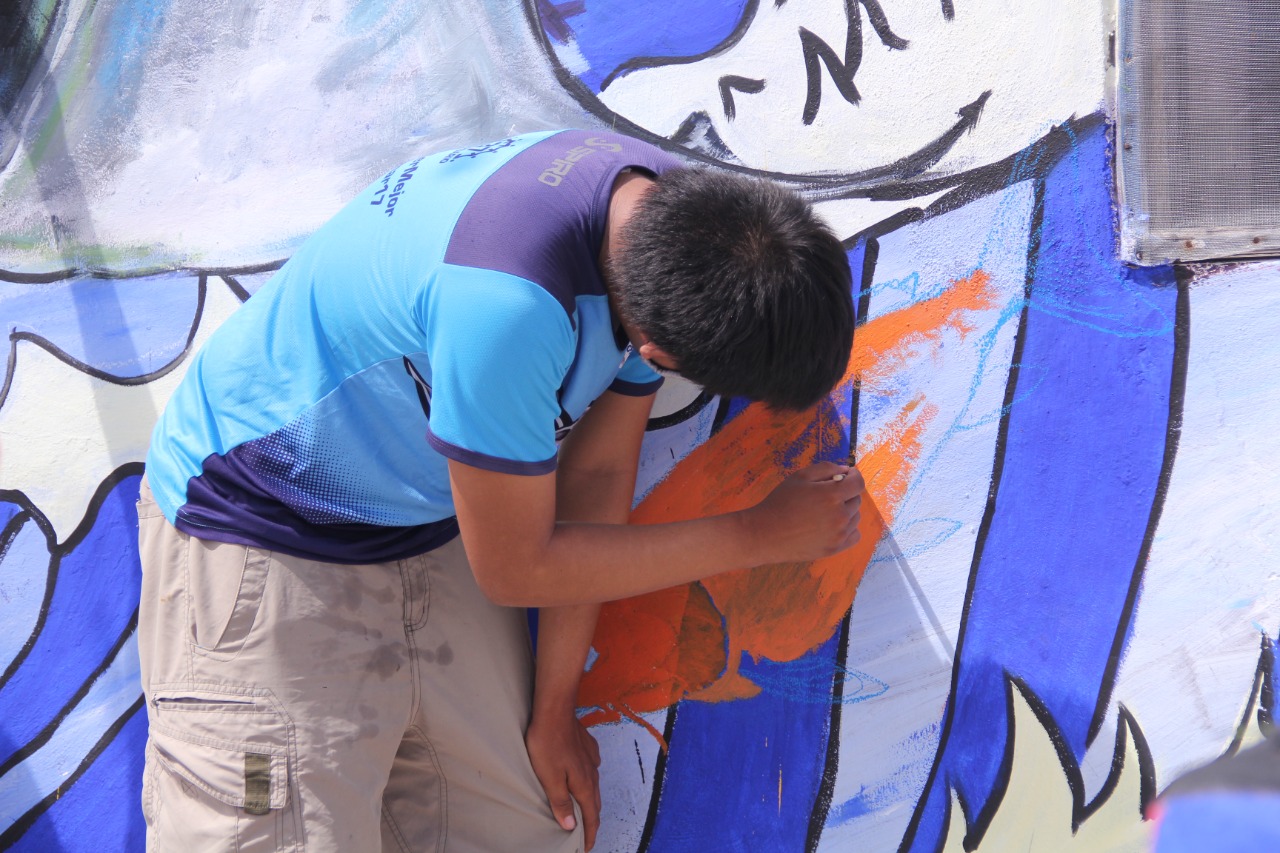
(741, 282)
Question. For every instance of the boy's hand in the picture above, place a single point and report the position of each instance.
(566, 760)
(810, 515)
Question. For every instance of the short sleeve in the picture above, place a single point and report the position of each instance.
(499, 348)
(636, 378)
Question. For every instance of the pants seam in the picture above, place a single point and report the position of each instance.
(442, 837)
(395, 830)
(415, 668)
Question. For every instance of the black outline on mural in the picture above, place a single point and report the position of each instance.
(697, 404)
(731, 83)
(984, 526)
(43, 736)
(1173, 432)
(735, 35)
(234, 285)
(57, 551)
(55, 276)
(20, 826)
(845, 185)
(1080, 811)
(88, 369)
(1258, 698)
(893, 182)
(1267, 698)
(822, 800)
(659, 778)
(842, 71)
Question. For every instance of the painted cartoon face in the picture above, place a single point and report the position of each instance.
(870, 90)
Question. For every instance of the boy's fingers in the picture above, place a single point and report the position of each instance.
(561, 804)
(587, 793)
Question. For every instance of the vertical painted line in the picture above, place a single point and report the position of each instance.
(659, 776)
(826, 787)
(984, 527)
(1177, 397)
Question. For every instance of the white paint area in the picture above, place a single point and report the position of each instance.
(221, 134)
(1042, 61)
(62, 431)
(906, 616)
(1212, 585)
(41, 773)
(628, 758)
(663, 448)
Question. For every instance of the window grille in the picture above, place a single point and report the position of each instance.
(1198, 138)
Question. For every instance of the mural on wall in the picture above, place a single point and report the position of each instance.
(1064, 596)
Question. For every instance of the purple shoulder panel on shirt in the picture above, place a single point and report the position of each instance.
(222, 507)
(541, 215)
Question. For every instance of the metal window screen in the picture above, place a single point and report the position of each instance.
(1199, 129)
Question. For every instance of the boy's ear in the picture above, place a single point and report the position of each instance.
(658, 357)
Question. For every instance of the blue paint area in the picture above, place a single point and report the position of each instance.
(608, 33)
(1224, 822)
(728, 759)
(95, 597)
(24, 571)
(124, 328)
(1080, 470)
(778, 737)
(100, 812)
(122, 38)
(125, 34)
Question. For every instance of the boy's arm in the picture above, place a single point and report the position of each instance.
(522, 556)
(595, 483)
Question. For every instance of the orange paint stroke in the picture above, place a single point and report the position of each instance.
(655, 649)
(885, 344)
(784, 611)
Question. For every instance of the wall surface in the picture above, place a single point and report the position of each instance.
(1066, 592)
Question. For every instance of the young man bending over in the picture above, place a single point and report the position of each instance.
(326, 660)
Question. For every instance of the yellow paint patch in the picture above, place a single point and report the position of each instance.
(1036, 811)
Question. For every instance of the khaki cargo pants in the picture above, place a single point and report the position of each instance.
(297, 705)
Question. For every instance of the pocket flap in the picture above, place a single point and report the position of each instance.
(234, 746)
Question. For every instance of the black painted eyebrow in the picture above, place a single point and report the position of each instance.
(729, 83)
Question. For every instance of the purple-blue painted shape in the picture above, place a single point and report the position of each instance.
(610, 33)
(99, 811)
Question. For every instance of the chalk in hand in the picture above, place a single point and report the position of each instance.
(838, 477)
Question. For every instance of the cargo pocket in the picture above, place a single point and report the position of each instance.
(220, 766)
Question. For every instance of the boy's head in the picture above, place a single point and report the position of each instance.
(740, 282)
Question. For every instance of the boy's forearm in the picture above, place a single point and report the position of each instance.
(564, 638)
(585, 563)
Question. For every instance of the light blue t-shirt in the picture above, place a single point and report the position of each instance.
(453, 310)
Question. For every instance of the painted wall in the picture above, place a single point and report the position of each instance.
(1066, 593)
